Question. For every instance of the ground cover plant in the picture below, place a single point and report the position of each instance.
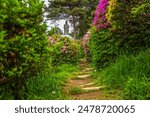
(131, 74)
(49, 83)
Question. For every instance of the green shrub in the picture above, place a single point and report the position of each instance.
(85, 46)
(81, 53)
(102, 48)
(128, 33)
(63, 50)
(130, 21)
(23, 44)
(115, 48)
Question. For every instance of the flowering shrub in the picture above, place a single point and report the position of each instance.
(113, 49)
(112, 5)
(63, 50)
(100, 20)
(51, 40)
(85, 45)
(85, 42)
(129, 31)
(102, 42)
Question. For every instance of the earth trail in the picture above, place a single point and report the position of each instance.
(82, 86)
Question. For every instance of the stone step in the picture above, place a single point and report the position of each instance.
(87, 69)
(83, 64)
(88, 84)
(93, 88)
(83, 73)
(84, 76)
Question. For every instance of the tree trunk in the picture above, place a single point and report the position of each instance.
(74, 26)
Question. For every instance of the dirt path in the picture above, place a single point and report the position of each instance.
(82, 87)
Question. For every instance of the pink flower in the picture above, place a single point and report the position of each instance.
(64, 49)
(51, 40)
(100, 20)
(85, 43)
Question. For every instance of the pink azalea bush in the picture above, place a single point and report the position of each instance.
(100, 20)
(51, 40)
(85, 45)
(63, 50)
(85, 42)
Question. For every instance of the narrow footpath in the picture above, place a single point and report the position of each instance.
(81, 86)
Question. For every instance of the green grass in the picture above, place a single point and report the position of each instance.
(130, 74)
(75, 90)
(48, 85)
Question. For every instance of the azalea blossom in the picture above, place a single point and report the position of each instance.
(100, 20)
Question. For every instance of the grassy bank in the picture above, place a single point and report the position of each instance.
(49, 83)
(130, 74)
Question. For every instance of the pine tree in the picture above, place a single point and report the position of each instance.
(77, 10)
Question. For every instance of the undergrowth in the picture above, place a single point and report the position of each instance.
(130, 74)
(48, 85)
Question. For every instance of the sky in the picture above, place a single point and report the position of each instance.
(59, 23)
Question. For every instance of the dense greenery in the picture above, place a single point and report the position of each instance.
(130, 74)
(85, 46)
(103, 48)
(23, 43)
(49, 83)
(27, 55)
(63, 50)
(122, 30)
(128, 34)
(35, 63)
(55, 30)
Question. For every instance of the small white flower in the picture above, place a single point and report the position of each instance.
(53, 92)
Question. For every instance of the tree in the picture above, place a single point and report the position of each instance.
(85, 20)
(78, 11)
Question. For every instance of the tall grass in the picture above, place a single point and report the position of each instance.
(131, 74)
(48, 85)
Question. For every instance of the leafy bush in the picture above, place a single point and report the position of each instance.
(119, 27)
(130, 20)
(23, 44)
(63, 50)
(130, 74)
(102, 48)
(85, 46)
(102, 43)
